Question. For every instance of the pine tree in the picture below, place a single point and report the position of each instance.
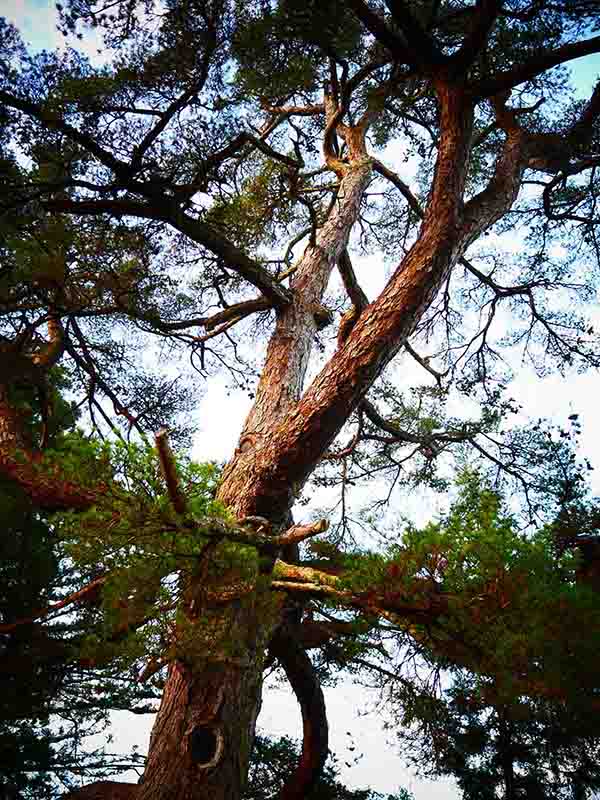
(206, 182)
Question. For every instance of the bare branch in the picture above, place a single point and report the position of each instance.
(87, 594)
(169, 471)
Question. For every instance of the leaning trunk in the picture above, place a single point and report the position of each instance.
(283, 439)
(203, 734)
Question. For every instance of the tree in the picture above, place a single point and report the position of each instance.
(513, 750)
(493, 737)
(44, 678)
(147, 196)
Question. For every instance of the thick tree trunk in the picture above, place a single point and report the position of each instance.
(203, 733)
(202, 737)
(204, 730)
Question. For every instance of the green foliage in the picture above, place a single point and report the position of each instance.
(49, 704)
(494, 599)
(140, 543)
(277, 52)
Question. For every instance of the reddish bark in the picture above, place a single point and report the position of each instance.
(104, 790)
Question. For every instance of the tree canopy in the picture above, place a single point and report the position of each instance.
(364, 214)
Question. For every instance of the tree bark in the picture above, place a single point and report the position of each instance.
(289, 349)
(215, 704)
(301, 674)
(203, 733)
(104, 790)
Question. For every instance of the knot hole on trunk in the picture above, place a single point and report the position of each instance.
(205, 744)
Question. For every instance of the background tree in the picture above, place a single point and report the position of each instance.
(529, 748)
(487, 731)
(159, 197)
(52, 701)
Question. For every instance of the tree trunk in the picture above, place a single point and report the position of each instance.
(204, 731)
(506, 758)
(288, 353)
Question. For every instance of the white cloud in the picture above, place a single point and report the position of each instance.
(36, 20)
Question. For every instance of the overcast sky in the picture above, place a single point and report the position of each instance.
(554, 397)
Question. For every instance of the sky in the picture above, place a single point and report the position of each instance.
(351, 708)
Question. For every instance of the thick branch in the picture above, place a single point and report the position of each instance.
(44, 484)
(87, 594)
(543, 61)
(165, 210)
(421, 47)
(485, 208)
(357, 296)
(233, 257)
(376, 26)
(401, 186)
(169, 471)
(423, 602)
(485, 13)
(305, 683)
(236, 312)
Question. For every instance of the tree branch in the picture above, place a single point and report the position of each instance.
(377, 27)
(163, 209)
(43, 484)
(421, 47)
(491, 203)
(169, 471)
(52, 120)
(485, 12)
(236, 312)
(304, 681)
(88, 593)
(504, 81)
(357, 296)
